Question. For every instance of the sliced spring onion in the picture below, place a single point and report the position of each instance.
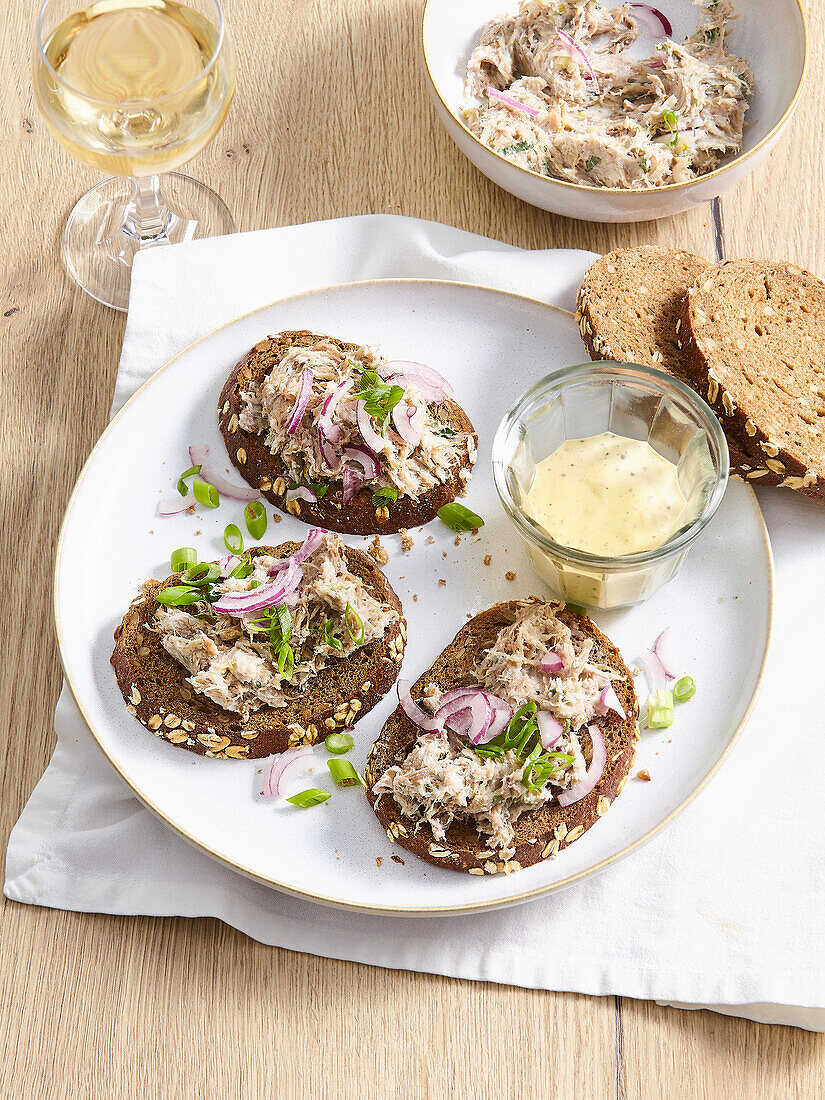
(311, 797)
(205, 494)
(255, 515)
(286, 662)
(183, 488)
(243, 570)
(339, 743)
(329, 637)
(660, 709)
(385, 495)
(281, 623)
(343, 773)
(233, 539)
(182, 558)
(178, 595)
(576, 608)
(205, 573)
(684, 689)
(458, 517)
(352, 616)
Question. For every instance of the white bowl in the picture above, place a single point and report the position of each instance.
(771, 34)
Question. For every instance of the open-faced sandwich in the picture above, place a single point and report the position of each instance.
(254, 654)
(334, 434)
(512, 744)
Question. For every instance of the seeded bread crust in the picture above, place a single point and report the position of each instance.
(154, 684)
(266, 472)
(539, 834)
(753, 340)
(629, 302)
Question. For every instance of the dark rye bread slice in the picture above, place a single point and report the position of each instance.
(630, 301)
(154, 684)
(266, 472)
(539, 834)
(753, 339)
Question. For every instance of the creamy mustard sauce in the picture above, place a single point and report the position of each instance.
(607, 495)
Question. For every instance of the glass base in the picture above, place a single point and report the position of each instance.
(99, 241)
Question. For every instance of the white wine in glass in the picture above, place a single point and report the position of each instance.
(134, 88)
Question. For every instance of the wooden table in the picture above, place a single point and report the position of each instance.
(331, 118)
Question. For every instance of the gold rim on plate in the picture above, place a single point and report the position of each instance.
(736, 159)
(321, 899)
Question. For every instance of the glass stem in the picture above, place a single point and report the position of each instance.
(147, 216)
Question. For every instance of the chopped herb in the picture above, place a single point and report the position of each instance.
(385, 495)
(233, 539)
(286, 662)
(339, 743)
(519, 147)
(660, 710)
(255, 515)
(671, 120)
(351, 616)
(644, 164)
(183, 488)
(576, 608)
(243, 570)
(205, 494)
(311, 797)
(198, 575)
(684, 689)
(458, 517)
(343, 773)
(177, 595)
(379, 398)
(591, 163)
(320, 488)
(446, 432)
(183, 558)
(329, 637)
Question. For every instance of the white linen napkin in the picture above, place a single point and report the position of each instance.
(723, 910)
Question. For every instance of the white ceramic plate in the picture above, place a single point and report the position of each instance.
(771, 34)
(491, 345)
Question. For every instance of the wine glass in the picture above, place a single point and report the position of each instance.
(134, 88)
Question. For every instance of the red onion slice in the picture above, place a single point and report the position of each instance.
(330, 457)
(494, 93)
(227, 564)
(551, 663)
(285, 768)
(310, 544)
(402, 418)
(432, 385)
(175, 505)
(302, 492)
(235, 603)
(415, 714)
(199, 456)
(609, 700)
(656, 21)
(370, 436)
(575, 51)
(352, 483)
(656, 648)
(654, 671)
(331, 431)
(301, 401)
(364, 458)
(550, 729)
(594, 772)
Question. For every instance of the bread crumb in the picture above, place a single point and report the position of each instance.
(430, 539)
(199, 532)
(407, 542)
(442, 583)
(190, 511)
(474, 531)
(276, 518)
(397, 859)
(457, 540)
(488, 558)
(444, 553)
(644, 775)
(510, 575)
(377, 552)
(415, 597)
(378, 860)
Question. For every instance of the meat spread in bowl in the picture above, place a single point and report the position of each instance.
(557, 90)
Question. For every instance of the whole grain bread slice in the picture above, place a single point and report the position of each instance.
(630, 301)
(540, 833)
(154, 684)
(266, 472)
(753, 340)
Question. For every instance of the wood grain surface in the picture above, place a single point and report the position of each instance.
(331, 118)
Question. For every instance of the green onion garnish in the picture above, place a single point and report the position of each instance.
(233, 539)
(518, 147)
(339, 743)
(671, 120)
(684, 689)
(343, 773)
(205, 573)
(183, 558)
(352, 616)
(286, 662)
(329, 637)
(576, 608)
(459, 518)
(177, 595)
(385, 495)
(243, 570)
(205, 494)
(255, 515)
(591, 163)
(660, 710)
(183, 488)
(311, 797)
